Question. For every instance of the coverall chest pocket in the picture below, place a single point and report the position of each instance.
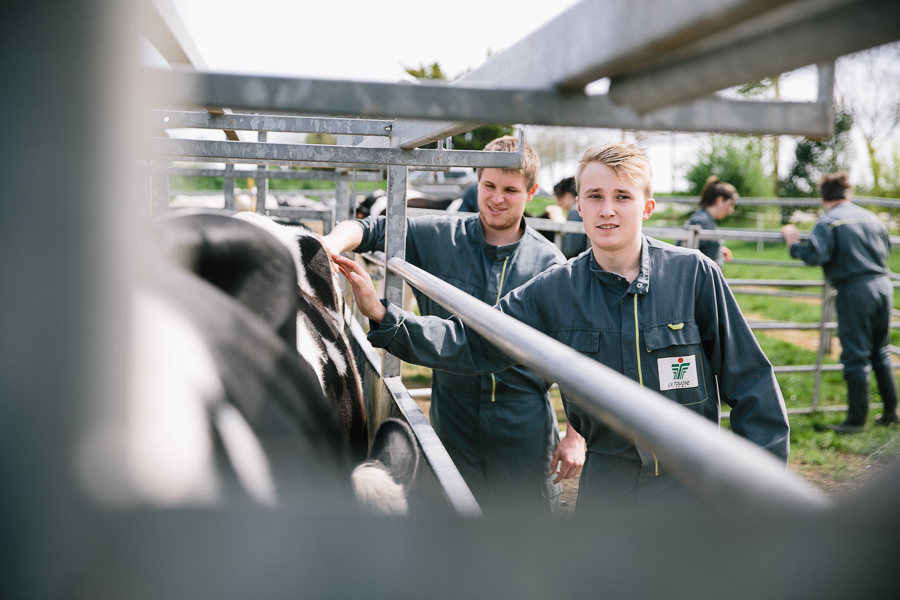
(676, 360)
(586, 342)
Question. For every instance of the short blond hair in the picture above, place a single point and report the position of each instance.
(531, 162)
(623, 159)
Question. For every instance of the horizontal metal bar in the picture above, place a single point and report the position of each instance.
(807, 368)
(173, 119)
(474, 105)
(777, 282)
(451, 482)
(758, 326)
(633, 34)
(287, 154)
(803, 33)
(770, 263)
(292, 175)
(758, 292)
(811, 202)
(730, 472)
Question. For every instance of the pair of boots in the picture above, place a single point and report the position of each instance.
(858, 402)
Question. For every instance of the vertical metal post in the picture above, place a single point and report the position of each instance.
(161, 198)
(760, 226)
(694, 240)
(69, 255)
(262, 182)
(395, 245)
(342, 208)
(824, 340)
(229, 186)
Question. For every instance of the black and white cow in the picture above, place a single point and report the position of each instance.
(242, 381)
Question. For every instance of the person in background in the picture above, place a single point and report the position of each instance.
(852, 246)
(658, 314)
(717, 201)
(470, 199)
(499, 429)
(573, 244)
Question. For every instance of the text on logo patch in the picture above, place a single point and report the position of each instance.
(677, 372)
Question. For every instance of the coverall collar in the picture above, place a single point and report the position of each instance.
(496, 252)
(641, 283)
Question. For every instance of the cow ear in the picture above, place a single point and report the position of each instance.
(396, 447)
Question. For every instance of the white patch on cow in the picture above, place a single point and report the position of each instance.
(158, 448)
(173, 379)
(288, 237)
(246, 453)
(336, 356)
(308, 347)
(376, 490)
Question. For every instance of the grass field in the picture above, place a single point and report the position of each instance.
(836, 463)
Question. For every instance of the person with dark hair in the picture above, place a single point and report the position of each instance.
(852, 246)
(566, 193)
(717, 201)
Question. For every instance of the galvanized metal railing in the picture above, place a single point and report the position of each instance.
(728, 471)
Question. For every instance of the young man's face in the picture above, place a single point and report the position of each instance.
(502, 196)
(612, 208)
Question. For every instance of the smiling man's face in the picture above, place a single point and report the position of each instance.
(502, 196)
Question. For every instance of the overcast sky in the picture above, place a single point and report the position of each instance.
(374, 41)
(354, 39)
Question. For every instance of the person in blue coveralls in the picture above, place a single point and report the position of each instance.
(637, 305)
(717, 201)
(500, 429)
(852, 245)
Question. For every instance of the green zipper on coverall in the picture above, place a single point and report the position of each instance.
(637, 352)
(499, 293)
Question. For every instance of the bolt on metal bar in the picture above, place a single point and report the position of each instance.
(729, 472)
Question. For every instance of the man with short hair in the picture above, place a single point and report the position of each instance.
(647, 309)
(852, 246)
(500, 429)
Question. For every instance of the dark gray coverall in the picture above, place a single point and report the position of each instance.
(677, 310)
(711, 248)
(852, 245)
(500, 430)
(574, 244)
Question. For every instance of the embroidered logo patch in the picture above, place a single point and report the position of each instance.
(677, 372)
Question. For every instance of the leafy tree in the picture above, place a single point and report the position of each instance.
(736, 160)
(866, 82)
(815, 158)
(475, 139)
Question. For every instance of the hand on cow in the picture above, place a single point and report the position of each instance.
(363, 290)
(568, 456)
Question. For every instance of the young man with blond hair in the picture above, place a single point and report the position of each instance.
(637, 305)
(499, 429)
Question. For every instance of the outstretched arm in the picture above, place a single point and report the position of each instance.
(348, 235)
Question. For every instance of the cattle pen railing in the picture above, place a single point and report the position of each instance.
(825, 326)
(729, 472)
